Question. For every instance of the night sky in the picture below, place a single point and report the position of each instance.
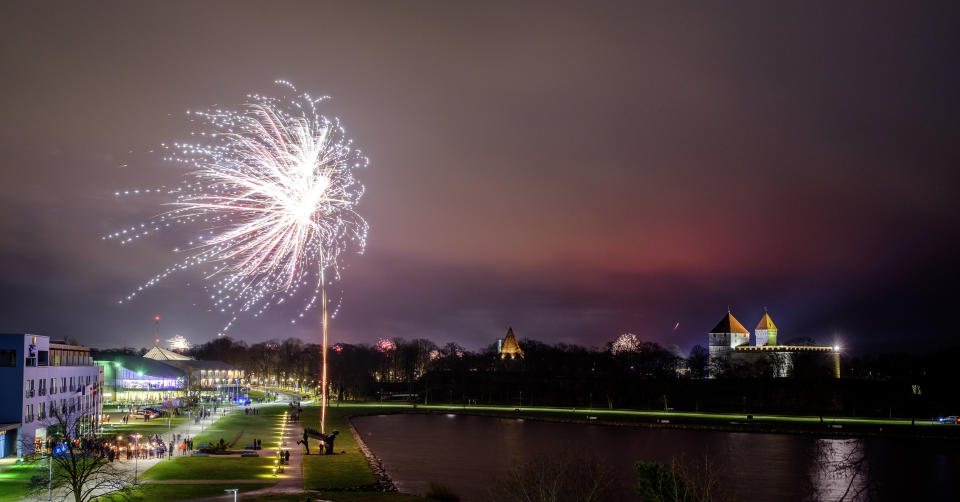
(576, 171)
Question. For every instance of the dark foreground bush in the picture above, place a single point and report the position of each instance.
(676, 482)
(564, 479)
(441, 493)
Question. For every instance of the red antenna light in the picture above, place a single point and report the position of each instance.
(156, 318)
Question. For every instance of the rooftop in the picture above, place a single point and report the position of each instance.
(766, 322)
(729, 324)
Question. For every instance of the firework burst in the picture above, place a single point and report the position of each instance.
(625, 343)
(271, 187)
(385, 345)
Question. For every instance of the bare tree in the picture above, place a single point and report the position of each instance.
(568, 478)
(843, 472)
(81, 467)
(679, 481)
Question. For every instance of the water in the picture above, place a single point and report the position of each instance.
(468, 453)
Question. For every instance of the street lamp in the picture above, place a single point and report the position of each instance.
(50, 479)
(136, 457)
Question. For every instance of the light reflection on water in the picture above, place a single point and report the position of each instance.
(840, 472)
(467, 453)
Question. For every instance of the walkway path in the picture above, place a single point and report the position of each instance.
(185, 429)
(291, 481)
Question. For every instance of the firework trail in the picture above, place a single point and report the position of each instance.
(272, 188)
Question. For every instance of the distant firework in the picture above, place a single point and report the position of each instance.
(385, 345)
(178, 343)
(271, 188)
(627, 342)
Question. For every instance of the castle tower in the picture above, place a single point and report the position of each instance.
(766, 332)
(728, 334)
(510, 349)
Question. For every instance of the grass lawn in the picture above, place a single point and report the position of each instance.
(213, 467)
(338, 496)
(166, 493)
(633, 415)
(15, 479)
(336, 471)
(147, 428)
(264, 426)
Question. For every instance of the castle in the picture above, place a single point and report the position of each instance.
(730, 348)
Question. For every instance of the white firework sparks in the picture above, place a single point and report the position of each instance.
(625, 343)
(272, 187)
(178, 343)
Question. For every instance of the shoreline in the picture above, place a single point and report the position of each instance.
(384, 480)
(829, 426)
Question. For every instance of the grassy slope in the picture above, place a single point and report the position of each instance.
(335, 471)
(213, 468)
(718, 419)
(148, 428)
(265, 426)
(340, 496)
(167, 493)
(15, 479)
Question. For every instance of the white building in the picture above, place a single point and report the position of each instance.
(39, 378)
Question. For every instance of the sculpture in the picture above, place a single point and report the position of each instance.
(327, 440)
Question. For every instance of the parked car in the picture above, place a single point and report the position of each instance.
(952, 419)
(149, 413)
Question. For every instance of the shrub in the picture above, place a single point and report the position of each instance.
(568, 478)
(675, 482)
(441, 493)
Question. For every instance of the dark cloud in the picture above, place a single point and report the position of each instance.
(573, 170)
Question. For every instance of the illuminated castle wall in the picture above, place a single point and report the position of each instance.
(730, 347)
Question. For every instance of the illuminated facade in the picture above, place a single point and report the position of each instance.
(162, 375)
(730, 347)
(40, 379)
(134, 379)
(510, 348)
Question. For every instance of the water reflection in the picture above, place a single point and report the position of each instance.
(468, 453)
(841, 471)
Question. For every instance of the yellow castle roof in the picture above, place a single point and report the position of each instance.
(766, 322)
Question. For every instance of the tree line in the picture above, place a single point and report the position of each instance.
(627, 372)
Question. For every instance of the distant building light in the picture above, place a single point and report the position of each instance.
(836, 348)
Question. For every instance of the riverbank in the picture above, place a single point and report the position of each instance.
(778, 424)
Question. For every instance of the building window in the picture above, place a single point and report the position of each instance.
(42, 391)
(8, 358)
(29, 388)
(63, 384)
(28, 413)
(43, 411)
